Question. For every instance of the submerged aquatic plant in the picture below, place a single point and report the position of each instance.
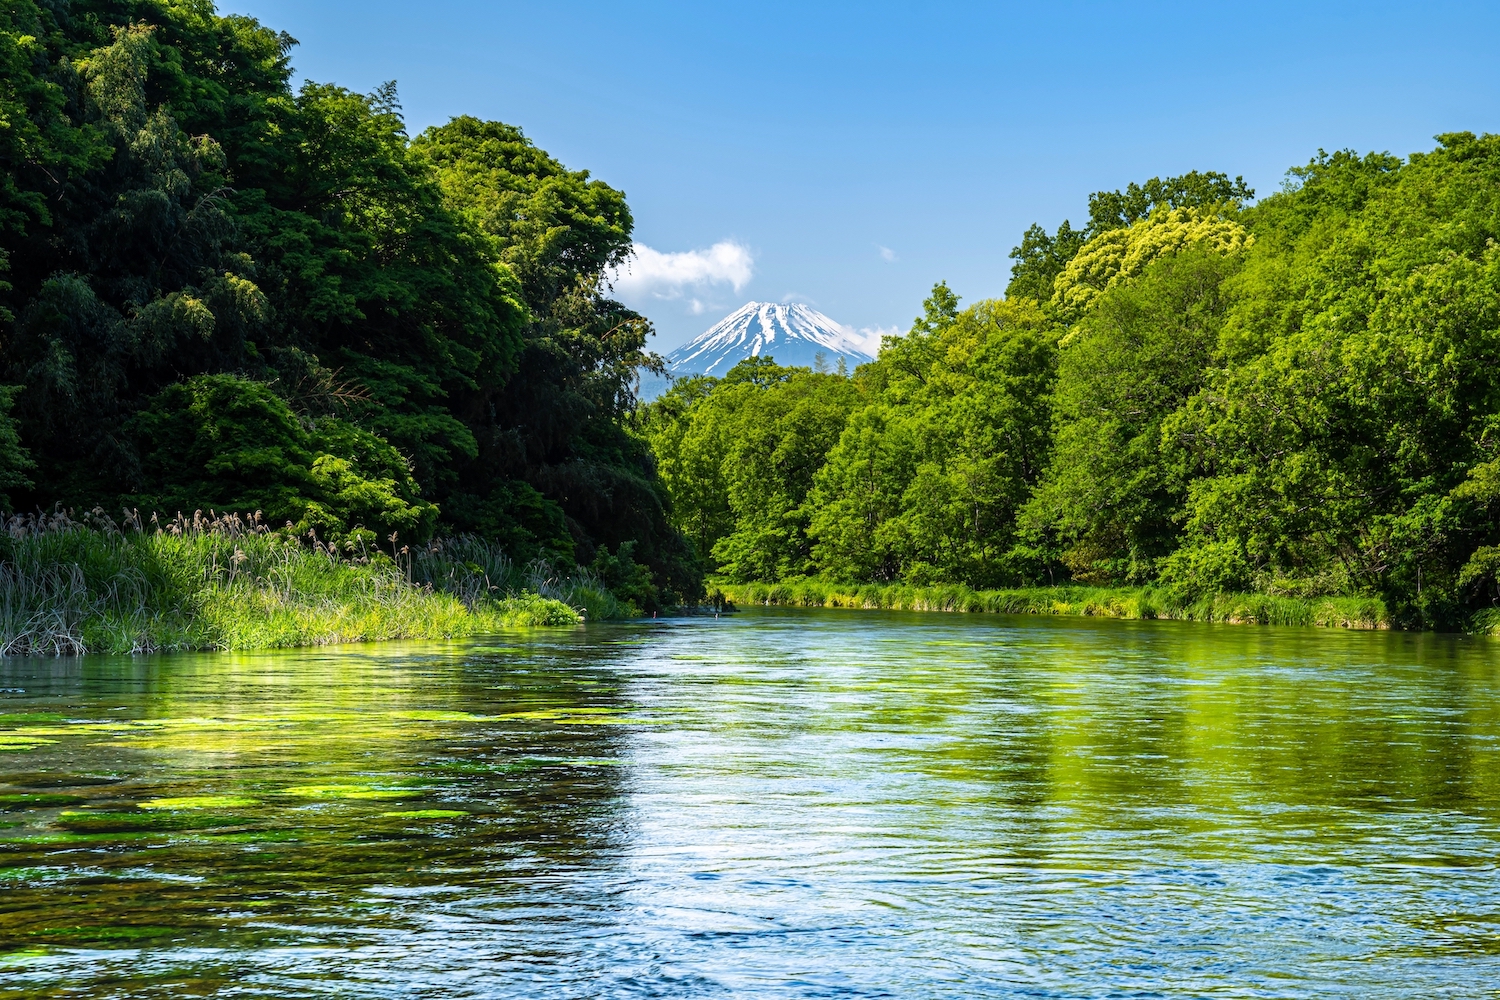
(223, 581)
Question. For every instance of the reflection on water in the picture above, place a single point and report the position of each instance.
(780, 804)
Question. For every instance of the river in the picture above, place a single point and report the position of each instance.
(778, 803)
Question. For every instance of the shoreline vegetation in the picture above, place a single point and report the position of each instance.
(221, 291)
(1098, 602)
(1200, 405)
(91, 585)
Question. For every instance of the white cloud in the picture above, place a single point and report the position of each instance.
(887, 254)
(869, 337)
(660, 275)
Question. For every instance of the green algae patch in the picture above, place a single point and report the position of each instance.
(436, 715)
(350, 791)
(575, 716)
(238, 836)
(38, 800)
(56, 779)
(426, 814)
(200, 802)
(142, 822)
(115, 932)
(17, 741)
(56, 837)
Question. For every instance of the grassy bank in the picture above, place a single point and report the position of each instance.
(1104, 602)
(90, 585)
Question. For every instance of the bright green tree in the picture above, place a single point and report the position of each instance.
(1041, 257)
(1352, 442)
(927, 478)
(1109, 502)
(740, 454)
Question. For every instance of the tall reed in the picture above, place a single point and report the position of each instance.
(91, 584)
(474, 568)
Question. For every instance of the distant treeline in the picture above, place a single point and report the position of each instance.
(220, 293)
(1297, 396)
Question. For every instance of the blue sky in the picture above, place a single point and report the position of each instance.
(850, 155)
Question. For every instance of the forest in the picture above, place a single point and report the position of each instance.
(1195, 392)
(224, 294)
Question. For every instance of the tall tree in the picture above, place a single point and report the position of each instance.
(195, 248)
(556, 431)
(927, 478)
(756, 438)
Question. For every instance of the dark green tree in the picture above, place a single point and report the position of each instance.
(557, 428)
(171, 211)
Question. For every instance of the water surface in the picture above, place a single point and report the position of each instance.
(774, 804)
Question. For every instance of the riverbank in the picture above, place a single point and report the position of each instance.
(1102, 602)
(69, 587)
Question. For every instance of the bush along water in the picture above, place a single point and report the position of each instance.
(93, 585)
(1103, 602)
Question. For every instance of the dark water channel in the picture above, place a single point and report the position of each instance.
(778, 804)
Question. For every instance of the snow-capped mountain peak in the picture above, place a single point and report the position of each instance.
(791, 334)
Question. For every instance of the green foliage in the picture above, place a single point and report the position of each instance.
(939, 310)
(1354, 438)
(15, 463)
(1209, 190)
(739, 456)
(1095, 602)
(478, 571)
(689, 453)
(1119, 255)
(552, 225)
(1245, 411)
(227, 443)
(1042, 257)
(627, 579)
(559, 431)
(1107, 505)
(419, 328)
(926, 479)
(913, 469)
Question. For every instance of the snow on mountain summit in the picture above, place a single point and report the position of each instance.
(791, 334)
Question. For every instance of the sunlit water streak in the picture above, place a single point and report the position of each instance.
(775, 804)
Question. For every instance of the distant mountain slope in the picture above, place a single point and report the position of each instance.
(792, 334)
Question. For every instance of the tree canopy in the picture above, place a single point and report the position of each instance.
(221, 291)
(1296, 396)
